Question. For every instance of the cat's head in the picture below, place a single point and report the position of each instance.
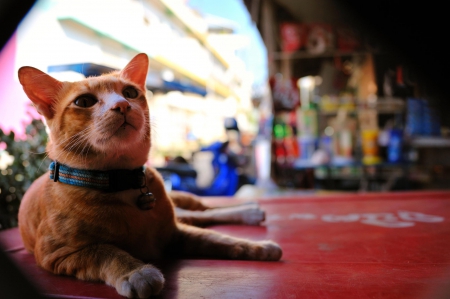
(97, 123)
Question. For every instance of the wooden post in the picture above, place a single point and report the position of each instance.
(268, 27)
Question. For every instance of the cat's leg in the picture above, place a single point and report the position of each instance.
(249, 214)
(194, 241)
(187, 201)
(131, 277)
(190, 210)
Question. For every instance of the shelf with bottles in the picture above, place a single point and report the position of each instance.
(356, 175)
(331, 105)
(430, 142)
(384, 130)
(348, 136)
(343, 162)
(358, 170)
(336, 131)
(351, 139)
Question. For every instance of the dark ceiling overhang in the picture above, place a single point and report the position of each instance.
(413, 32)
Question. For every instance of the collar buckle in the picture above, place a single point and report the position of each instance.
(56, 171)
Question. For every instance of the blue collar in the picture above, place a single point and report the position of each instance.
(109, 181)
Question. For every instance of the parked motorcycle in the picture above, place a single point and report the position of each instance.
(226, 163)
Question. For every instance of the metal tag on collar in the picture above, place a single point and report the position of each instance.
(146, 201)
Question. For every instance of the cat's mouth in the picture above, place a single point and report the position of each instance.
(122, 130)
(124, 126)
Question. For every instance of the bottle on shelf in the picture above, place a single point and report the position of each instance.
(307, 117)
(395, 143)
(279, 148)
(402, 89)
(290, 145)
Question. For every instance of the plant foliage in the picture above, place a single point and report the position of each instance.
(29, 163)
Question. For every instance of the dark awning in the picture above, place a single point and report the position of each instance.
(92, 69)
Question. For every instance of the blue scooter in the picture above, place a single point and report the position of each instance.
(180, 175)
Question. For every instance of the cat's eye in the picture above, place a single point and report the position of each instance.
(130, 92)
(85, 101)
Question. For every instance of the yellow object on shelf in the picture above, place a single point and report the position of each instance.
(370, 143)
(370, 147)
(371, 160)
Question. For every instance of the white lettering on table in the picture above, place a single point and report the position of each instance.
(303, 216)
(419, 217)
(400, 219)
(384, 220)
(341, 218)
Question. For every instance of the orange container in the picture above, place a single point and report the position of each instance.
(370, 142)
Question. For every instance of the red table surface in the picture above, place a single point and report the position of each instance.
(383, 245)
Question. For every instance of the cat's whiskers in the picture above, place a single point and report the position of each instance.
(83, 140)
(42, 162)
(68, 139)
(147, 124)
(86, 153)
(153, 127)
(59, 144)
(73, 143)
(67, 151)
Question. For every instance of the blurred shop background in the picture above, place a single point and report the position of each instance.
(248, 97)
(359, 94)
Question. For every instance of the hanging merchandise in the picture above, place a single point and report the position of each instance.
(285, 94)
(320, 38)
(293, 36)
(291, 145)
(290, 139)
(279, 149)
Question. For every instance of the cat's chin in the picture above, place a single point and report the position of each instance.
(120, 153)
(126, 147)
(125, 132)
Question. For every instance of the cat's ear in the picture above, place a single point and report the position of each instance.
(136, 70)
(40, 88)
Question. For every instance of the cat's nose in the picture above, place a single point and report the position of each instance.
(121, 106)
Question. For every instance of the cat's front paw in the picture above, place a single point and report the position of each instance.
(142, 282)
(267, 251)
(261, 251)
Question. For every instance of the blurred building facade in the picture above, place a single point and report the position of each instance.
(195, 80)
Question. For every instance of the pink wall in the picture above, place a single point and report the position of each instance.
(13, 101)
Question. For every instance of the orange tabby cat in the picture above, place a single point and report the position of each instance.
(99, 125)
